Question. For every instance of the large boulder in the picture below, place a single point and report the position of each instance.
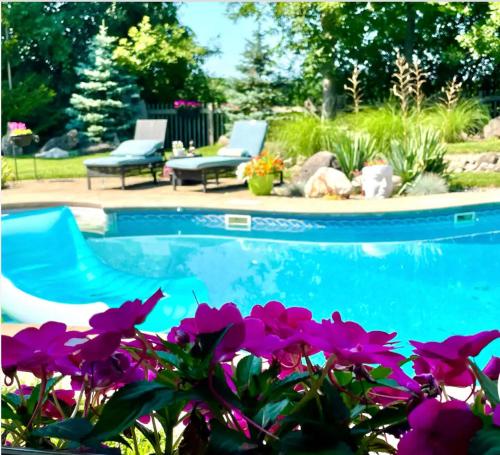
(492, 129)
(327, 181)
(313, 163)
(68, 141)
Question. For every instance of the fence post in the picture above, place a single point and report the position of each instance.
(211, 138)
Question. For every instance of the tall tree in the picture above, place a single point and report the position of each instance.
(254, 91)
(331, 37)
(166, 60)
(48, 39)
(102, 105)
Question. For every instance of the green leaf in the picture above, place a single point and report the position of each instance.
(226, 441)
(247, 368)
(386, 416)
(343, 377)
(7, 412)
(380, 372)
(75, 429)
(290, 381)
(268, 413)
(128, 404)
(485, 442)
(489, 386)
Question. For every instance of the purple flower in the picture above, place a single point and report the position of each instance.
(353, 345)
(439, 429)
(448, 361)
(41, 351)
(212, 320)
(496, 416)
(492, 368)
(284, 337)
(123, 320)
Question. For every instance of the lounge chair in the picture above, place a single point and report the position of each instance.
(246, 142)
(142, 154)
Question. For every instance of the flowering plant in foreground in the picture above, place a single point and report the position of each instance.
(221, 383)
(264, 164)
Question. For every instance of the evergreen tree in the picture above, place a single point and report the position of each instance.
(255, 94)
(101, 107)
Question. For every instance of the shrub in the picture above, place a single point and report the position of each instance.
(421, 150)
(228, 384)
(353, 150)
(464, 117)
(31, 101)
(383, 124)
(304, 135)
(427, 183)
(6, 173)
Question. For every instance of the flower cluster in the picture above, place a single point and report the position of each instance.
(229, 383)
(18, 129)
(184, 104)
(264, 164)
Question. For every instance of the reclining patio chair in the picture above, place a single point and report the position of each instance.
(246, 142)
(142, 154)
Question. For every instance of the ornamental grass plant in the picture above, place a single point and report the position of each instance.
(273, 382)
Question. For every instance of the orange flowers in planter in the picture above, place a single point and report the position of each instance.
(262, 165)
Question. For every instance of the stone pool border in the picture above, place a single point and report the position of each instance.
(31, 194)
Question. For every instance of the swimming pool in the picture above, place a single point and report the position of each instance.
(426, 275)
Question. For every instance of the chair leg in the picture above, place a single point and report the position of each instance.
(216, 176)
(174, 180)
(204, 181)
(89, 184)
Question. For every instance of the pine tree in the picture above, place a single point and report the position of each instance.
(101, 106)
(255, 94)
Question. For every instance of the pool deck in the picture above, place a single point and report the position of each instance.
(142, 194)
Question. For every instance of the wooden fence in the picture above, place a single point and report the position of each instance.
(203, 126)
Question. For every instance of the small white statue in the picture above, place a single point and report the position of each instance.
(377, 181)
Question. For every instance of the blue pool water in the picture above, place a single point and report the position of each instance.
(426, 275)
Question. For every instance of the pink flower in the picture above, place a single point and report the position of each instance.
(284, 327)
(448, 361)
(123, 320)
(212, 320)
(492, 369)
(353, 345)
(41, 351)
(439, 429)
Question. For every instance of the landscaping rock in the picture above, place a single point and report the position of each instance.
(397, 182)
(490, 158)
(315, 162)
(327, 181)
(56, 152)
(68, 141)
(223, 140)
(492, 128)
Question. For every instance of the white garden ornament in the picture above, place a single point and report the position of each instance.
(376, 181)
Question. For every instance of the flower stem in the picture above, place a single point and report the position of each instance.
(134, 439)
(41, 395)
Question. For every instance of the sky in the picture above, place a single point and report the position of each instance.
(213, 28)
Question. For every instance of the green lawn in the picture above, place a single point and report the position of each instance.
(67, 167)
(475, 179)
(488, 145)
(50, 168)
